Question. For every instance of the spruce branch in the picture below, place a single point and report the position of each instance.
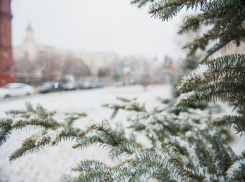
(228, 73)
(238, 123)
(141, 3)
(127, 104)
(227, 18)
(72, 117)
(170, 158)
(5, 130)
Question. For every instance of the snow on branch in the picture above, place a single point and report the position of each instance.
(200, 74)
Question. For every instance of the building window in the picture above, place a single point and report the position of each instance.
(7, 68)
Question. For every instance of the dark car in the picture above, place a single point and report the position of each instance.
(96, 85)
(74, 85)
(79, 85)
(53, 86)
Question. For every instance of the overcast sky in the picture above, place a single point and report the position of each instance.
(95, 26)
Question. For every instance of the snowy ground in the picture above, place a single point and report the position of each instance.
(49, 165)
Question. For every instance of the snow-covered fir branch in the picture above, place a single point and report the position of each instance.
(175, 148)
(199, 75)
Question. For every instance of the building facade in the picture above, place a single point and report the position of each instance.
(7, 74)
(34, 61)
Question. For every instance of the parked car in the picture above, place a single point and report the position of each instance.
(79, 85)
(16, 89)
(87, 85)
(74, 85)
(96, 85)
(52, 86)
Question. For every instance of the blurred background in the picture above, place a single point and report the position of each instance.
(75, 56)
(89, 44)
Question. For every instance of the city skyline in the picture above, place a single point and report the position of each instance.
(95, 26)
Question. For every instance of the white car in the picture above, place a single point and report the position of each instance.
(16, 89)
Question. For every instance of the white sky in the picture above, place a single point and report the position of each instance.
(95, 26)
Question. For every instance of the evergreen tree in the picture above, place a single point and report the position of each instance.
(184, 146)
(227, 73)
(227, 20)
(188, 64)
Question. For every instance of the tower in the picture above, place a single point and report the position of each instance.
(30, 46)
(29, 33)
(7, 74)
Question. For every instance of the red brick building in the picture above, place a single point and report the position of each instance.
(7, 74)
